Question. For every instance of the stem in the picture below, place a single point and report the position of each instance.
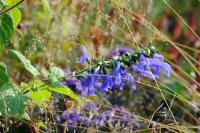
(4, 11)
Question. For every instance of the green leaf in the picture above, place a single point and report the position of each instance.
(16, 16)
(40, 124)
(3, 74)
(6, 29)
(46, 9)
(15, 105)
(26, 63)
(11, 103)
(2, 4)
(14, 13)
(25, 116)
(65, 91)
(40, 96)
(55, 73)
(7, 89)
(10, 2)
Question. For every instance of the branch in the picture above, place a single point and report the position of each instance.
(4, 11)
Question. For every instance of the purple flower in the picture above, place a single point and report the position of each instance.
(116, 76)
(90, 106)
(102, 118)
(142, 68)
(83, 57)
(105, 81)
(150, 67)
(89, 82)
(130, 80)
(119, 51)
(92, 115)
(72, 82)
(72, 117)
(157, 64)
(58, 118)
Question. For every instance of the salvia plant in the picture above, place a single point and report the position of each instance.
(115, 73)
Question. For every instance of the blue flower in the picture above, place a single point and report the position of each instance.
(157, 64)
(150, 67)
(105, 81)
(130, 80)
(116, 76)
(119, 51)
(72, 82)
(72, 117)
(89, 82)
(83, 57)
(142, 68)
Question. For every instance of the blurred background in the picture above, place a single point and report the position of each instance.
(51, 36)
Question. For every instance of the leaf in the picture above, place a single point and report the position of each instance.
(16, 16)
(25, 116)
(46, 8)
(2, 106)
(15, 13)
(55, 73)
(7, 89)
(3, 74)
(26, 63)
(10, 2)
(40, 96)
(41, 124)
(65, 91)
(6, 29)
(2, 4)
(15, 105)
(11, 103)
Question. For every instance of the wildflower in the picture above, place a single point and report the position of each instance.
(90, 114)
(157, 64)
(72, 117)
(142, 68)
(116, 76)
(89, 82)
(72, 82)
(119, 51)
(113, 73)
(105, 81)
(83, 57)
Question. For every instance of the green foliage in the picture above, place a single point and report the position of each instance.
(46, 8)
(15, 13)
(65, 91)
(6, 29)
(26, 63)
(12, 102)
(55, 73)
(15, 105)
(3, 74)
(16, 16)
(8, 22)
(40, 96)
(41, 93)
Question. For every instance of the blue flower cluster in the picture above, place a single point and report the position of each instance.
(90, 114)
(113, 74)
